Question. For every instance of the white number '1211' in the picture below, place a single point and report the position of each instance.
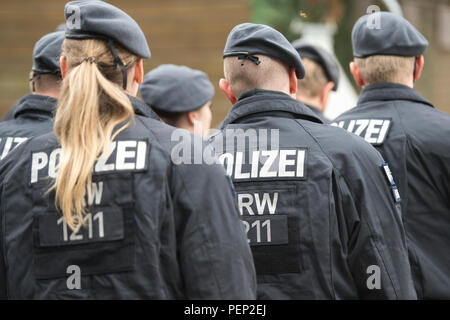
(74, 236)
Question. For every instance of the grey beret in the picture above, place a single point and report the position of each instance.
(248, 39)
(322, 57)
(172, 88)
(46, 53)
(386, 34)
(98, 19)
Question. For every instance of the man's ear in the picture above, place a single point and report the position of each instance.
(420, 62)
(356, 73)
(292, 83)
(225, 86)
(63, 66)
(139, 71)
(191, 117)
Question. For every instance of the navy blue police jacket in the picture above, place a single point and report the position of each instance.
(10, 114)
(32, 116)
(154, 229)
(318, 114)
(320, 217)
(414, 138)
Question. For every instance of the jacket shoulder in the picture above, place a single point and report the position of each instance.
(341, 145)
(427, 128)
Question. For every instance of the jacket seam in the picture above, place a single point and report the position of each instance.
(194, 206)
(351, 189)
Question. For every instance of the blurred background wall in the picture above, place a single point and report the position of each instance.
(194, 33)
(191, 32)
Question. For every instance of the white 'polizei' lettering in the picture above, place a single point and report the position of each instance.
(265, 164)
(265, 170)
(351, 125)
(373, 131)
(227, 161)
(10, 144)
(39, 161)
(53, 162)
(126, 150)
(339, 124)
(284, 162)
(101, 165)
(121, 156)
(130, 155)
(361, 125)
(239, 162)
(383, 131)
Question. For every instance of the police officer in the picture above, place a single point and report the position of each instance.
(411, 135)
(33, 114)
(320, 217)
(180, 96)
(45, 76)
(322, 77)
(128, 223)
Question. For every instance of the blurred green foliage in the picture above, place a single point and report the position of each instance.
(343, 40)
(277, 14)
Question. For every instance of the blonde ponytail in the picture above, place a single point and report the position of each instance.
(92, 110)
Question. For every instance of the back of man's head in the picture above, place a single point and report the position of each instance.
(46, 84)
(387, 48)
(257, 56)
(314, 81)
(45, 77)
(243, 75)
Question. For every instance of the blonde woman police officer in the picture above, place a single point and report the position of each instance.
(128, 223)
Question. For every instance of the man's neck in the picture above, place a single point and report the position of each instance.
(50, 93)
(258, 91)
(409, 83)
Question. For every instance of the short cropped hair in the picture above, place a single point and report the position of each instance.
(244, 75)
(171, 118)
(314, 81)
(44, 82)
(385, 68)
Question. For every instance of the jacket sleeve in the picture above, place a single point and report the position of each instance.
(3, 294)
(7, 167)
(377, 250)
(213, 250)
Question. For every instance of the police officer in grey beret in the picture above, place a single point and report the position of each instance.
(180, 96)
(45, 75)
(118, 218)
(33, 113)
(322, 223)
(322, 77)
(412, 136)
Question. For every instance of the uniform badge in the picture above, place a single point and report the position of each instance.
(390, 178)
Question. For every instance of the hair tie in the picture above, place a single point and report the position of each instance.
(90, 59)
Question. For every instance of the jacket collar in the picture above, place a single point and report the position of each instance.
(318, 113)
(143, 109)
(255, 101)
(35, 104)
(390, 91)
